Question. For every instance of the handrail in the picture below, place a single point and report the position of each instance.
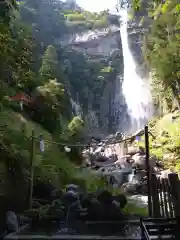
(145, 234)
(144, 231)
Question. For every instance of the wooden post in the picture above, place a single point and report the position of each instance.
(174, 185)
(31, 180)
(155, 197)
(148, 170)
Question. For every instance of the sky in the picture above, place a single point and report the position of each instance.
(96, 5)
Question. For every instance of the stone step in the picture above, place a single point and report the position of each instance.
(71, 237)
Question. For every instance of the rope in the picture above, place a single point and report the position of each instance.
(64, 144)
(87, 144)
(82, 145)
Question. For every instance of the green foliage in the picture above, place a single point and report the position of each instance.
(165, 145)
(134, 209)
(88, 20)
(46, 212)
(6, 9)
(53, 92)
(161, 51)
(136, 4)
(76, 17)
(107, 70)
(49, 65)
(32, 62)
(76, 125)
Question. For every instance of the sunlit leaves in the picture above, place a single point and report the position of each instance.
(162, 49)
(76, 125)
(53, 91)
(136, 4)
(107, 70)
(178, 7)
(165, 6)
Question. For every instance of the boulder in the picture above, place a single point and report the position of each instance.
(102, 159)
(88, 157)
(153, 160)
(113, 157)
(140, 161)
(142, 189)
(99, 150)
(70, 198)
(12, 223)
(72, 187)
(140, 173)
(135, 149)
(129, 188)
(160, 164)
(121, 175)
(121, 199)
(125, 159)
(104, 197)
(165, 173)
(56, 194)
(118, 136)
(117, 204)
(127, 156)
(137, 177)
(132, 150)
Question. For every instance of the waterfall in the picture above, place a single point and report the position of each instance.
(135, 89)
(76, 108)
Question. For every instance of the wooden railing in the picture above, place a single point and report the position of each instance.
(165, 196)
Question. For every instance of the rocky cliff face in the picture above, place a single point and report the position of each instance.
(95, 43)
(89, 57)
(113, 110)
(104, 45)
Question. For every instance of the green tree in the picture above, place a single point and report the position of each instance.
(53, 92)
(6, 8)
(161, 49)
(49, 67)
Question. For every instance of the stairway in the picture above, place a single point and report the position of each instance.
(153, 229)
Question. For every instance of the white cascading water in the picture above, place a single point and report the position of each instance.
(76, 108)
(92, 123)
(135, 89)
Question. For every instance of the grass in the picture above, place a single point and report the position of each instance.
(52, 165)
(134, 209)
(170, 144)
